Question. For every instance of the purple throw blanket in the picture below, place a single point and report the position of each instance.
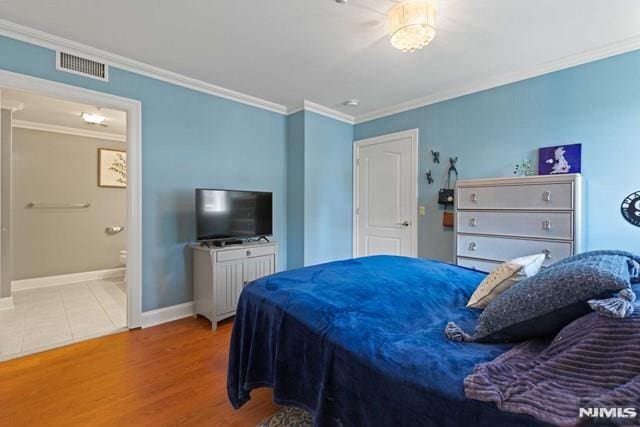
(594, 362)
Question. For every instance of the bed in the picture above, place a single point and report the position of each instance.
(360, 343)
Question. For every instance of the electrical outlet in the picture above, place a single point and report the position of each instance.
(422, 211)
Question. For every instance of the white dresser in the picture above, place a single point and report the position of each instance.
(501, 219)
(220, 274)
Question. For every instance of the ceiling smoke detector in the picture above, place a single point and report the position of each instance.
(351, 103)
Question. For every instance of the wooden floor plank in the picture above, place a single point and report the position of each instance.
(172, 374)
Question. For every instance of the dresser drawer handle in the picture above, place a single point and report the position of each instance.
(547, 254)
(248, 253)
(474, 197)
(473, 246)
(546, 225)
(473, 222)
(546, 196)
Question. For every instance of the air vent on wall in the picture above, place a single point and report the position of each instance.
(82, 66)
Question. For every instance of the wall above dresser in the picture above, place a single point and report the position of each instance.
(596, 104)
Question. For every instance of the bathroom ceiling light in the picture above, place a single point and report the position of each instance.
(92, 118)
(351, 103)
(412, 25)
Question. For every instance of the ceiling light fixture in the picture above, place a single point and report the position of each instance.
(93, 119)
(412, 25)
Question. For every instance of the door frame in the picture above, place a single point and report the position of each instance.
(413, 134)
(133, 108)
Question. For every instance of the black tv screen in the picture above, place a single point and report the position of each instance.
(226, 214)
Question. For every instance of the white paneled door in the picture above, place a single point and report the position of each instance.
(385, 195)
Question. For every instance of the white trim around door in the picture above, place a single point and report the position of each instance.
(413, 134)
(133, 108)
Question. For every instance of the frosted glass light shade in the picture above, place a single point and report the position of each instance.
(412, 25)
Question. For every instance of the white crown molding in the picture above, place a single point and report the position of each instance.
(13, 106)
(46, 127)
(322, 110)
(40, 38)
(613, 49)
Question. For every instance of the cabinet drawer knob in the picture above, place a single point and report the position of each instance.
(473, 222)
(473, 246)
(546, 225)
(474, 197)
(546, 196)
(547, 254)
(248, 253)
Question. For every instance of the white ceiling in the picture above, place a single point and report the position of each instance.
(285, 51)
(57, 112)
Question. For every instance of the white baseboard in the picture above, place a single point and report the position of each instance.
(167, 314)
(63, 279)
(6, 303)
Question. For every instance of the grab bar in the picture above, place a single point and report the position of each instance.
(32, 205)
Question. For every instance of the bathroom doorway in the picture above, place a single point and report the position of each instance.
(63, 248)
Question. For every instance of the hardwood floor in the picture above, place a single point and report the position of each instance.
(172, 374)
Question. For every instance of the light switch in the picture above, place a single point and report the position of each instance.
(422, 211)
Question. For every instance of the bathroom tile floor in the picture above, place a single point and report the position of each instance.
(58, 315)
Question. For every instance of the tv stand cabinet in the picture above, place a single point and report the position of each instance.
(220, 274)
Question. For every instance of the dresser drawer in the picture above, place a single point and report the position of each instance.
(478, 264)
(247, 252)
(532, 196)
(504, 249)
(546, 225)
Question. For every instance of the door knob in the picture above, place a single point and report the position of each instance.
(405, 224)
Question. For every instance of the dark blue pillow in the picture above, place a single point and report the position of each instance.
(541, 305)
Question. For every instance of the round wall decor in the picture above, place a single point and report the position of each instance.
(631, 208)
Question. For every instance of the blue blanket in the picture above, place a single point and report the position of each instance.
(360, 343)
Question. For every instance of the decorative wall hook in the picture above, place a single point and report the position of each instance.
(429, 178)
(436, 156)
(452, 167)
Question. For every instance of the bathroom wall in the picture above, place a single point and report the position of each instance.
(58, 168)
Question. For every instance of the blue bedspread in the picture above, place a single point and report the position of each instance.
(361, 343)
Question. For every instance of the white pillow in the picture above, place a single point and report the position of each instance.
(503, 277)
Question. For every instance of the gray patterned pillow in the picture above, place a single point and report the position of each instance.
(542, 304)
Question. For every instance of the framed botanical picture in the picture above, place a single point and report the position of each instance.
(560, 159)
(112, 168)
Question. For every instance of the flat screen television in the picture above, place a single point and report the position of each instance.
(232, 215)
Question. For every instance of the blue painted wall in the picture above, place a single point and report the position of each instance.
(189, 139)
(295, 189)
(319, 181)
(596, 104)
(328, 189)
